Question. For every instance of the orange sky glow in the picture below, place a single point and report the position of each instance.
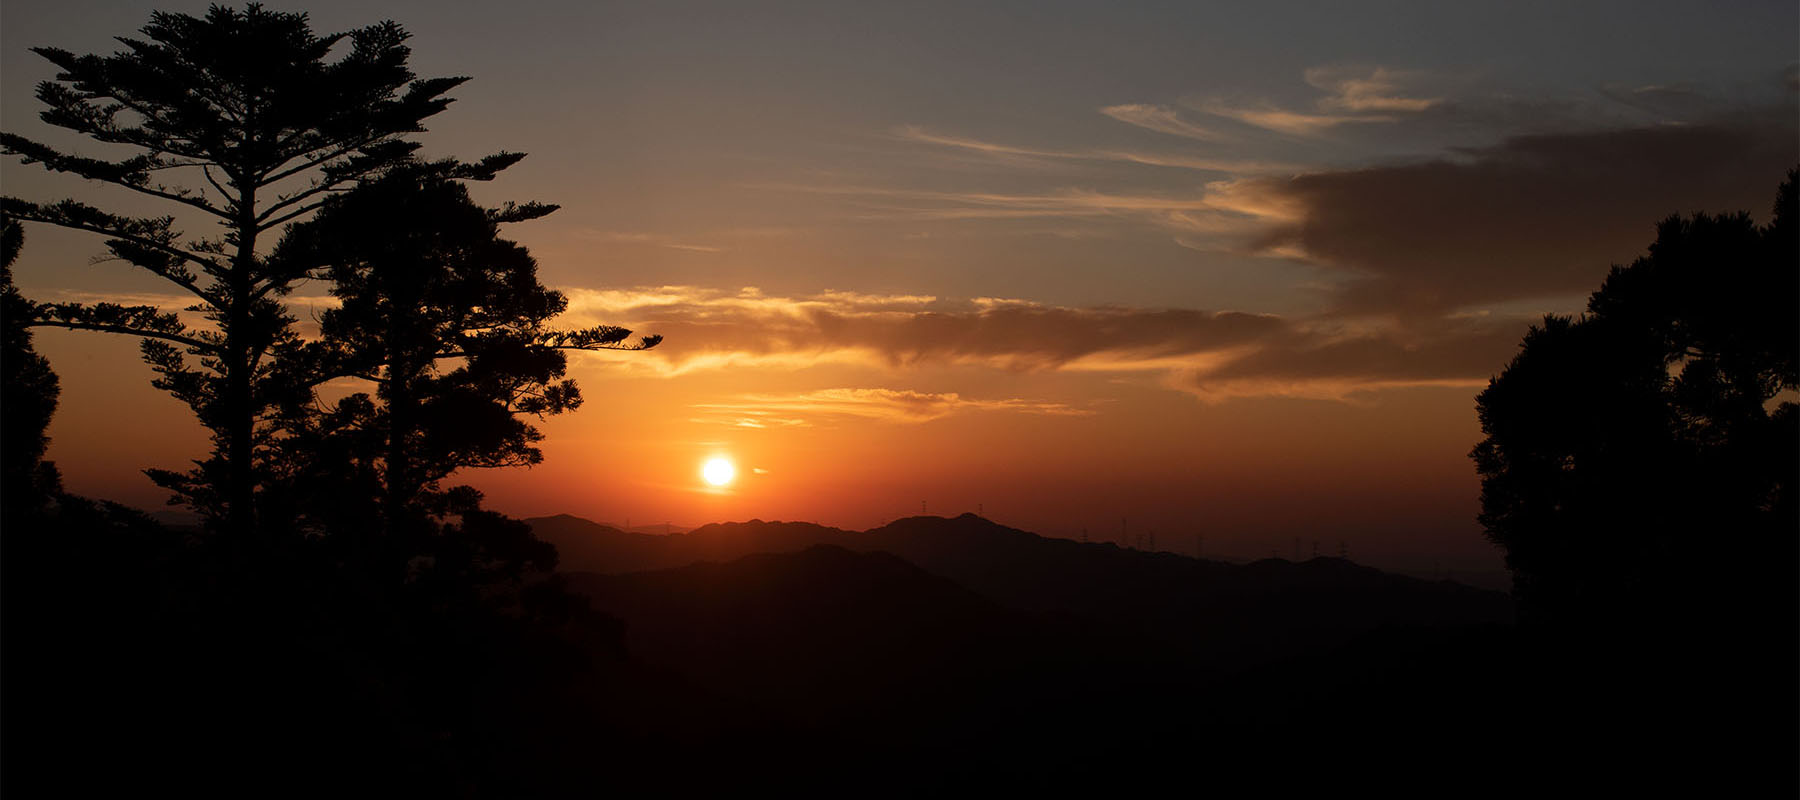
(1236, 296)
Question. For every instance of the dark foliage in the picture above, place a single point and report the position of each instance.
(448, 322)
(1646, 447)
(368, 631)
(248, 106)
(1639, 472)
(28, 392)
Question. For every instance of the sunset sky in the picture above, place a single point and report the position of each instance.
(1230, 269)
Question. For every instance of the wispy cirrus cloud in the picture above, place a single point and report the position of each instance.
(821, 406)
(1176, 213)
(918, 134)
(648, 239)
(1388, 110)
(1161, 119)
(1355, 95)
(1280, 120)
(1044, 156)
(1234, 166)
(1364, 89)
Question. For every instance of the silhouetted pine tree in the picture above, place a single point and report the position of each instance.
(247, 106)
(449, 323)
(294, 672)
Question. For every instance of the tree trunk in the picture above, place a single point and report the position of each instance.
(401, 396)
(240, 415)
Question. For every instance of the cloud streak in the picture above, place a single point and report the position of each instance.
(1209, 353)
(1356, 95)
(903, 330)
(1196, 213)
(649, 239)
(1362, 89)
(1161, 119)
(1042, 156)
(760, 411)
(1212, 354)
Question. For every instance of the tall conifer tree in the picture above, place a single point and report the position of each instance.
(448, 323)
(252, 110)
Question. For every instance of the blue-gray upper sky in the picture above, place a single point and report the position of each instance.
(907, 140)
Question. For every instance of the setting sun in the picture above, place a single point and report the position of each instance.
(718, 471)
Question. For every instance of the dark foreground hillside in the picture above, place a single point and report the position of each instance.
(1010, 664)
(934, 654)
(910, 682)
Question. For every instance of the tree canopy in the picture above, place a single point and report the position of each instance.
(359, 618)
(266, 122)
(448, 323)
(250, 108)
(28, 393)
(1639, 461)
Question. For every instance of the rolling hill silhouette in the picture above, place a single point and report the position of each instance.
(976, 654)
(1216, 614)
(833, 638)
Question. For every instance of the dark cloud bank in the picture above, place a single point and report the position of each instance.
(1533, 216)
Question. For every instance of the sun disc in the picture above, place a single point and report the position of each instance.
(718, 472)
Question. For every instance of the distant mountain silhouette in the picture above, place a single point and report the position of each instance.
(878, 665)
(1221, 615)
(830, 637)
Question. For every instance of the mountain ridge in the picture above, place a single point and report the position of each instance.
(1220, 614)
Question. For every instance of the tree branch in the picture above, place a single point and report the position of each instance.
(313, 162)
(643, 344)
(295, 198)
(207, 171)
(285, 217)
(150, 235)
(130, 174)
(94, 326)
